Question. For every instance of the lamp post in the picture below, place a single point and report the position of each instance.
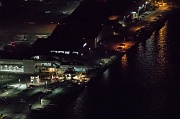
(19, 81)
(46, 87)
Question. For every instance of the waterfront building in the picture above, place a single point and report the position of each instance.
(43, 69)
(73, 38)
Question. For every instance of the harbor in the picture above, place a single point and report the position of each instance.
(136, 33)
(106, 59)
(44, 96)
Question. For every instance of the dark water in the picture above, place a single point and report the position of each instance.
(144, 84)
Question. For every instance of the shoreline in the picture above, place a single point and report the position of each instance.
(111, 57)
(131, 41)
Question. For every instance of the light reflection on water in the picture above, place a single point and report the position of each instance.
(124, 61)
(151, 65)
(144, 91)
(162, 47)
(140, 85)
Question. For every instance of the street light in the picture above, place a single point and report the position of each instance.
(19, 81)
(46, 84)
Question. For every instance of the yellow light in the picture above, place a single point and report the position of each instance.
(124, 61)
(113, 17)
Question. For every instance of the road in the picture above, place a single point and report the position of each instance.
(15, 99)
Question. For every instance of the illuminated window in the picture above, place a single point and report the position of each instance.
(67, 52)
